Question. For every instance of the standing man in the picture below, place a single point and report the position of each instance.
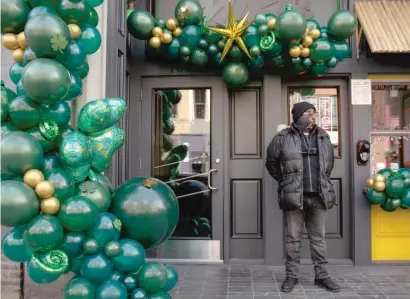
(301, 159)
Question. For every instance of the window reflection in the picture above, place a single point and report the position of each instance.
(181, 155)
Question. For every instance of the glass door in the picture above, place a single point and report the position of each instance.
(184, 150)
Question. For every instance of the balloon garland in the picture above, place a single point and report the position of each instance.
(62, 209)
(390, 190)
(287, 41)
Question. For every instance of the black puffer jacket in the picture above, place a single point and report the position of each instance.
(285, 164)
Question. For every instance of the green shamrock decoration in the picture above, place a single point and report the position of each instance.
(88, 187)
(58, 43)
(117, 224)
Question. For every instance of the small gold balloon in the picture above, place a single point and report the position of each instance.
(307, 41)
(177, 32)
(166, 38)
(171, 24)
(155, 42)
(301, 47)
(156, 31)
(315, 33)
(33, 177)
(378, 178)
(18, 55)
(50, 205)
(379, 186)
(10, 41)
(370, 183)
(75, 31)
(307, 31)
(45, 189)
(295, 51)
(21, 40)
(271, 23)
(305, 52)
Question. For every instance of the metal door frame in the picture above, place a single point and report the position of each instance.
(219, 103)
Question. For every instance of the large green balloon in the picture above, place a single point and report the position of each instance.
(13, 246)
(43, 233)
(46, 81)
(395, 187)
(59, 112)
(96, 268)
(140, 24)
(47, 35)
(7, 128)
(341, 24)
(188, 12)
(191, 35)
(112, 289)
(20, 152)
(76, 87)
(391, 204)
(73, 56)
(405, 199)
(152, 277)
(47, 145)
(48, 3)
(290, 25)
(172, 279)
(24, 112)
(102, 179)
(72, 243)
(15, 72)
(375, 198)
(79, 288)
(13, 15)
(131, 256)
(73, 11)
(78, 213)
(321, 50)
(47, 267)
(90, 39)
(106, 228)
(64, 185)
(94, 3)
(155, 219)
(235, 74)
(96, 192)
(42, 10)
(386, 172)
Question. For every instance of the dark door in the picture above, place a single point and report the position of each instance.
(330, 99)
(184, 115)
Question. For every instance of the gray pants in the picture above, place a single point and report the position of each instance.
(313, 216)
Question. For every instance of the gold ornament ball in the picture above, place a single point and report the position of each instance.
(171, 24)
(379, 186)
(295, 51)
(301, 46)
(315, 33)
(378, 178)
(45, 189)
(370, 183)
(10, 41)
(177, 32)
(307, 41)
(155, 42)
(18, 55)
(305, 52)
(33, 177)
(307, 31)
(50, 205)
(75, 31)
(166, 38)
(271, 23)
(21, 40)
(156, 31)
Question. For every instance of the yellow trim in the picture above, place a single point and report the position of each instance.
(388, 77)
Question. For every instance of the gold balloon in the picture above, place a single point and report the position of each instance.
(33, 177)
(45, 189)
(315, 33)
(75, 31)
(171, 24)
(307, 31)
(50, 205)
(21, 40)
(370, 183)
(156, 31)
(10, 41)
(307, 41)
(379, 186)
(301, 46)
(155, 42)
(271, 23)
(18, 55)
(378, 178)
(177, 32)
(295, 51)
(305, 52)
(166, 38)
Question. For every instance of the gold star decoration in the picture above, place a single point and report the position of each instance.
(233, 32)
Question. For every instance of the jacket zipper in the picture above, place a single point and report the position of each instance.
(310, 170)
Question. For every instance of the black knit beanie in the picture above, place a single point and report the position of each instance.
(299, 108)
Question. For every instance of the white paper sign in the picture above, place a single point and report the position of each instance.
(361, 92)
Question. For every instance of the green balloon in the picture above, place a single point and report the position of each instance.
(43, 233)
(152, 277)
(386, 172)
(342, 24)
(46, 81)
(341, 50)
(290, 25)
(59, 112)
(235, 74)
(73, 11)
(112, 289)
(78, 213)
(212, 37)
(4, 104)
(93, 18)
(395, 187)
(47, 35)
(102, 179)
(24, 112)
(321, 50)
(117, 275)
(7, 128)
(48, 3)
(312, 24)
(13, 246)
(191, 35)
(76, 87)
(47, 145)
(319, 68)
(156, 218)
(15, 72)
(260, 19)
(106, 228)
(332, 62)
(173, 49)
(94, 3)
(188, 12)
(405, 172)
(112, 249)
(20, 89)
(172, 279)
(91, 246)
(160, 295)
(83, 70)
(251, 37)
(405, 199)
(131, 256)
(130, 282)
(73, 57)
(47, 267)
(96, 268)
(43, 9)
(14, 15)
(79, 288)
(20, 152)
(391, 204)
(28, 56)
(64, 186)
(72, 243)
(140, 24)
(139, 294)
(236, 53)
(96, 192)
(51, 162)
(199, 57)
(375, 198)
(90, 39)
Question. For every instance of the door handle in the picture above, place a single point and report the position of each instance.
(209, 179)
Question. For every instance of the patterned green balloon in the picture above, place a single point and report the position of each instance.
(290, 25)
(13, 15)
(96, 192)
(140, 24)
(342, 24)
(188, 12)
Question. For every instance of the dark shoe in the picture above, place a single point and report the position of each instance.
(289, 284)
(327, 284)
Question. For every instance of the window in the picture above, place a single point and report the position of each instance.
(200, 103)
